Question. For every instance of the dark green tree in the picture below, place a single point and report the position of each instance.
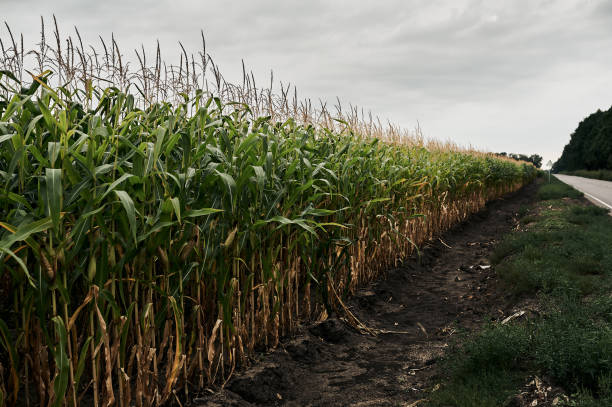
(536, 159)
(590, 146)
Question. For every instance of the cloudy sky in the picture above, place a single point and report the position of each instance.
(515, 75)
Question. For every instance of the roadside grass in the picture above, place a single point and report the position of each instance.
(564, 258)
(556, 190)
(605, 175)
(564, 250)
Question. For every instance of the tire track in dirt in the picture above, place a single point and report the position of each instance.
(419, 304)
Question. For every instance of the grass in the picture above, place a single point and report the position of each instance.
(564, 258)
(605, 175)
(571, 347)
(556, 190)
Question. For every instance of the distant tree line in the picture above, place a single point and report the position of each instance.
(590, 146)
(535, 159)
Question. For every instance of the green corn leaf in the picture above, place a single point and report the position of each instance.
(150, 158)
(48, 117)
(16, 103)
(38, 155)
(160, 133)
(24, 231)
(115, 184)
(176, 205)
(53, 178)
(8, 74)
(103, 169)
(195, 213)
(158, 226)
(130, 210)
(6, 137)
(285, 221)
(53, 149)
(81, 362)
(229, 182)
(19, 199)
(260, 175)
(21, 265)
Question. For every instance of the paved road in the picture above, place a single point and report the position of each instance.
(597, 191)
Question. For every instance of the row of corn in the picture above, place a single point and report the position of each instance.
(145, 253)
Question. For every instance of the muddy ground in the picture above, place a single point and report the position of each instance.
(423, 303)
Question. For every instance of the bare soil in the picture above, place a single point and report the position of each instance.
(420, 305)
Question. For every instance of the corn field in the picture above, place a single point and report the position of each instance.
(149, 247)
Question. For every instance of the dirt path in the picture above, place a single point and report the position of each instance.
(423, 303)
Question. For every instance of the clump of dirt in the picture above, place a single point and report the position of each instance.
(417, 307)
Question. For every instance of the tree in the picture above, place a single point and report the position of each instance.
(590, 145)
(535, 159)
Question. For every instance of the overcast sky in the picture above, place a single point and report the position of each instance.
(515, 75)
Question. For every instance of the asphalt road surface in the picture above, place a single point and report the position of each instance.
(597, 191)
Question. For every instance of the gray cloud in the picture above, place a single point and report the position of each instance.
(505, 75)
